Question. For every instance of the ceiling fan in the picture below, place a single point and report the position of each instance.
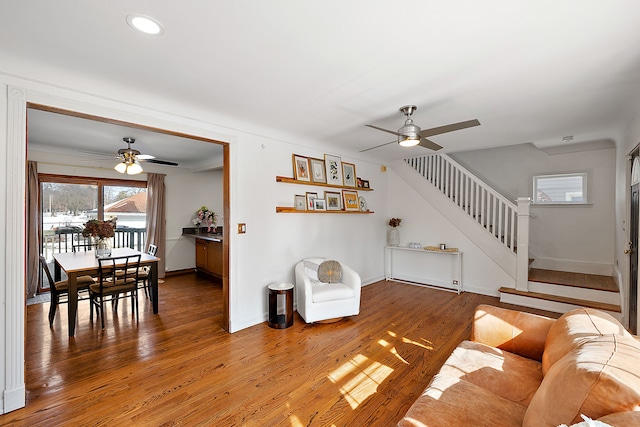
(410, 135)
(130, 159)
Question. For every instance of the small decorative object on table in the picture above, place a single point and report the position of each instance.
(100, 232)
(393, 235)
(205, 218)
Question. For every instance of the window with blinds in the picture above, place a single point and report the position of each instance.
(560, 189)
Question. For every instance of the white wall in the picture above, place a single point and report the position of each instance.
(423, 224)
(186, 193)
(572, 238)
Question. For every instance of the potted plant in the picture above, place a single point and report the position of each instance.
(393, 235)
(205, 218)
(100, 232)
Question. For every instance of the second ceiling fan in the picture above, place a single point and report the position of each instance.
(410, 135)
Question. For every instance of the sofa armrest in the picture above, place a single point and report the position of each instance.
(510, 330)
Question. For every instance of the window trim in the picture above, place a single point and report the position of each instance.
(585, 189)
(85, 180)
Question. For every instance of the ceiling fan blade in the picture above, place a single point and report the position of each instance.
(424, 142)
(393, 132)
(378, 146)
(449, 128)
(145, 157)
(160, 162)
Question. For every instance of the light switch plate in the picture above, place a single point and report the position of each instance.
(242, 228)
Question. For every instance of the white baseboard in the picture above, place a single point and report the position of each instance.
(14, 398)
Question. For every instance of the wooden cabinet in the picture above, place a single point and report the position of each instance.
(209, 257)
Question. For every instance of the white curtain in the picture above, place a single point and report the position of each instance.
(33, 219)
(156, 217)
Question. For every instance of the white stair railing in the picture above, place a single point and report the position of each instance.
(483, 204)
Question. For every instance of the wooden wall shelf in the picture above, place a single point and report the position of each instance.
(286, 209)
(319, 184)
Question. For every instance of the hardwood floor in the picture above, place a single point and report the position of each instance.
(180, 368)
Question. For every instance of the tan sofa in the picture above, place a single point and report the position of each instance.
(520, 369)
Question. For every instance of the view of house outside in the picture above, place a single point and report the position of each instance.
(67, 207)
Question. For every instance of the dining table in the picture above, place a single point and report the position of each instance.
(83, 263)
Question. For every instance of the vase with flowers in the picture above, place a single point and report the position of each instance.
(100, 233)
(393, 235)
(205, 218)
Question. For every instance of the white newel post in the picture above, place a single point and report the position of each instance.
(522, 257)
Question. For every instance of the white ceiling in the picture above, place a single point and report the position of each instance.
(318, 71)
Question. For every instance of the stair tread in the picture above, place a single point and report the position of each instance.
(579, 280)
(566, 300)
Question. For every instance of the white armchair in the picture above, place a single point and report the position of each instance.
(318, 301)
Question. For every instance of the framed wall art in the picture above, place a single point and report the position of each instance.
(333, 200)
(301, 168)
(310, 198)
(350, 198)
(317, 170)
(300, 202)
(333, 167)
(319, 205)
(349, 174)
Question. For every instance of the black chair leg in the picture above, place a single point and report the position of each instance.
(102, 311)
(52, 308)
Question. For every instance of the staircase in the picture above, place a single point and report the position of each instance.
(561, 291)
(501, 228)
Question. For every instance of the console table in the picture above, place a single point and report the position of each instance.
(391, 273)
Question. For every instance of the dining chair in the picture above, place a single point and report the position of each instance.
(112, 285)
(145, 272)
(77, 247)
(61, 289)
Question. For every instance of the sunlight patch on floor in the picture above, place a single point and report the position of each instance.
(366, 376)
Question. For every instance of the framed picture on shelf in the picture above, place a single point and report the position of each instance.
(317, 170)
(310, 198)
(301, 168)
(300, 202)
(349, 174)
(359, 181)
(319, 205)
(365, 183)
(363, 204)
(333, 167)
(333, 200)
(350, 198)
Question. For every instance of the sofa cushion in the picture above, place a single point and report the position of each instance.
(574, 328)
(508, 375)
(510, 330)
(599, 377)
(323, 292)
(620, 419)
(450, 401)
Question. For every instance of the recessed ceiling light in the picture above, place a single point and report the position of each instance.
(145, 24)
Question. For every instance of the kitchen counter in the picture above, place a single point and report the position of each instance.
(216, 236)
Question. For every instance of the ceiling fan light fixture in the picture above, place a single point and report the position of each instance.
(134, 168)
(121, 167)
(409, 141)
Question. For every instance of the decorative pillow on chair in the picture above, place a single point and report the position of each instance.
(330, 272)
(311, 266)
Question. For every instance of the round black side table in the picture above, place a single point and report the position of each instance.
(280, 312)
